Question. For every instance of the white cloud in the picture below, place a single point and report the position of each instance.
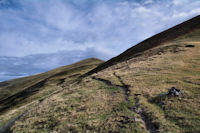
(49, 27)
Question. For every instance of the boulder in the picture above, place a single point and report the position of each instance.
(174, 92)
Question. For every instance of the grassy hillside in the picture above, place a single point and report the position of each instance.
(128, 95)
(20, 92)
(156, 40)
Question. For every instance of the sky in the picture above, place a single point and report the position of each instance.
(39, 35)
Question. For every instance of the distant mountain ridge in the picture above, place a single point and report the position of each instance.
(15, 67)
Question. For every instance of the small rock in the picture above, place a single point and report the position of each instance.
(174, 92)
(138, 120)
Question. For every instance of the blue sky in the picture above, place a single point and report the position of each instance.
(38, 35)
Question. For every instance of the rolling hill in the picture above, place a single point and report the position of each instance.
(19, 92)
(128, 93)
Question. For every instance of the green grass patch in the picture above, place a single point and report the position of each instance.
(112, 88)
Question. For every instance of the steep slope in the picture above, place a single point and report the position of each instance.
(129, 92)
(20, 92)
(156, 40)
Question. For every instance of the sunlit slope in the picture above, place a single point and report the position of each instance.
(128, 96)
(27, 89)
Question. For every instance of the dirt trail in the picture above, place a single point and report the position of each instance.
(149, 126)
(107, 82)
(124, 86)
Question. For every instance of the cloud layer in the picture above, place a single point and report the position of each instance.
(104, 28)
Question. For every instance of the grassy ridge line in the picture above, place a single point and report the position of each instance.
(156, 40)
(39, 85)
(11, 87)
